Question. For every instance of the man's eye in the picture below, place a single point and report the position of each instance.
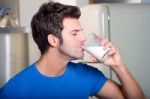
(74, 34)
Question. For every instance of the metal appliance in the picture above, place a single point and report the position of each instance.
(13, 52)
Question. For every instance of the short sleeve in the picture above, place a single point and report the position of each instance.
(97, 78)
(99, 82)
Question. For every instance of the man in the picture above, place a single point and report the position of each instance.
(59, 36)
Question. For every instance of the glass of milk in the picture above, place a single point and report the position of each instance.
(94, 48)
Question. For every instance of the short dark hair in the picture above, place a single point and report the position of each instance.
(49, 20)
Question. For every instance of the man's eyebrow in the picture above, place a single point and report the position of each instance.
(77, 30)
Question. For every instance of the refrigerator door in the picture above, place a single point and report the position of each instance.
(94, 19)
(130, 33)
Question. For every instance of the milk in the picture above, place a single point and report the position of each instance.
(97, 51)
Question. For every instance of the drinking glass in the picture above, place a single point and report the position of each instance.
(94, 48)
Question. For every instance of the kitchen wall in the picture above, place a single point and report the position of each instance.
(29, 7)
(73, 2)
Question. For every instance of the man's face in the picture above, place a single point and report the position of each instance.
(73, 39)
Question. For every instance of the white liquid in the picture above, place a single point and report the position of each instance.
(97, 51)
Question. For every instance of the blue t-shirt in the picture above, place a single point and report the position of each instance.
(78, 82)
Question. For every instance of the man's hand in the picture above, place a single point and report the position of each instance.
(113, 59)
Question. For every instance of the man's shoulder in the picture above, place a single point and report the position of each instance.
(18, 82)
(22, 75)
(26, 72)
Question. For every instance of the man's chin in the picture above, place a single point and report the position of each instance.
(78, 56)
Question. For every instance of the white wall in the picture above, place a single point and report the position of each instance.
(70, 2)
(73, 2)
(27, 9)
(81, 3)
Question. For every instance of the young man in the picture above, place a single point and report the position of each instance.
(59, 36)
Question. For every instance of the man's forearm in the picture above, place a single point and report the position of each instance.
(129, 85)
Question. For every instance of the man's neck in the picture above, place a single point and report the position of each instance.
(50, 65)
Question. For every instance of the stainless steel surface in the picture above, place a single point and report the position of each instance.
(13, 52)
(15, 30)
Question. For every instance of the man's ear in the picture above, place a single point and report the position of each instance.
(53, 40)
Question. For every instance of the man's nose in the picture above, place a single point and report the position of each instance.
(83, 37)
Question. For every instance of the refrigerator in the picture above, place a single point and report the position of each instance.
(127, 26)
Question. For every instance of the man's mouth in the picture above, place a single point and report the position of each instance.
(82, 49)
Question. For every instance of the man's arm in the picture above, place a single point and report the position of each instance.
(110, 90)
(129, 88)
